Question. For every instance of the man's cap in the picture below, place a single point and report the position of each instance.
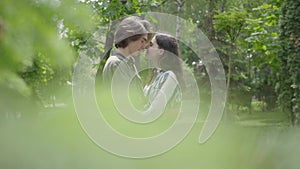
(130, 27)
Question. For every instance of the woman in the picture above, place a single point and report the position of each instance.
(165, 83)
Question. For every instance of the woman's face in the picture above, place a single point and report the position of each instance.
(153, 51)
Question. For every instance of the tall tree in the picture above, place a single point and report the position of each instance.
(180, 4)
(31, 49)
(260, 44)
(210, 17)
(229, 24)
(289, 77)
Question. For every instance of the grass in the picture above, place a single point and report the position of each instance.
(264, 119)
(55, 140)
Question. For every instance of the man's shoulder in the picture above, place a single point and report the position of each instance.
(113, 59)
(111, 64)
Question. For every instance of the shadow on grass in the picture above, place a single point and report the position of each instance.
(260, 119)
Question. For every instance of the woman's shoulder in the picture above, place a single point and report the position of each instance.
(163, 77)
(168, 74)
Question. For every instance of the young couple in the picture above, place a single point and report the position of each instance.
(165, 81)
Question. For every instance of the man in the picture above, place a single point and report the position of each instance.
(130, 39)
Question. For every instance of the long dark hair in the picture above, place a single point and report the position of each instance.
(171, 58)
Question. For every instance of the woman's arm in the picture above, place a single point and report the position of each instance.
(162, 95)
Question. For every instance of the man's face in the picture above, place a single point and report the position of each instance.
(136, 47)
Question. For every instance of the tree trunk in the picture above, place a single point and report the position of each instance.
(223, 7)
(108, 46)
(229, 69)
(179, 11)
(210, 27)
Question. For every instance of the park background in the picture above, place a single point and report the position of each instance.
(258, 42)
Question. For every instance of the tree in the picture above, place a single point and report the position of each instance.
(229, 24)
(260, 43)
(31, 49)
(289, 76)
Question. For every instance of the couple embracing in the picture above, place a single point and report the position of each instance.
(164, 82)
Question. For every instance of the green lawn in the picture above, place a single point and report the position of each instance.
(263, 119)
(55, 140)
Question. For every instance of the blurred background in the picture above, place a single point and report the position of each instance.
(258, 42)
